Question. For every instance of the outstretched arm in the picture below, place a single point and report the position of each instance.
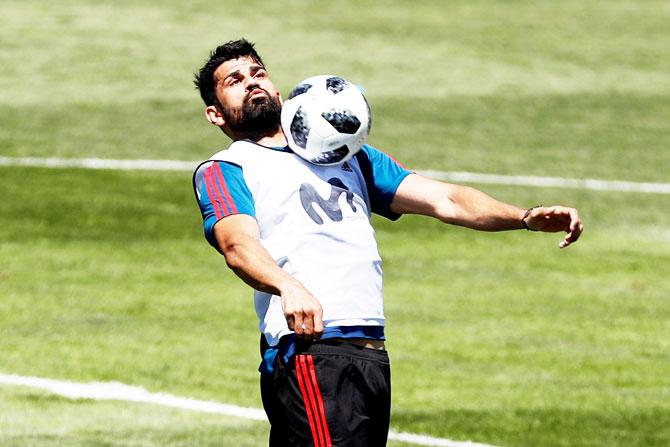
(468, 207)
(238, 238)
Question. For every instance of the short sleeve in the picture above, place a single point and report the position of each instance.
(382, 176)
(221, 191)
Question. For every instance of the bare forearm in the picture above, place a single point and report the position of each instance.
(468, 207)
(477, 210)
(257, 268)
(238, 240)
(455, 204)
(252, 263)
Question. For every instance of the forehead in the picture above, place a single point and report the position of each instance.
(241, 64)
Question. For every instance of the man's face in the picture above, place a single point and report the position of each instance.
(247, 97)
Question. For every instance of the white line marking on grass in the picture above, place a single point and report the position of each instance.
(550, 182)
(411, 438)
(516, 180)
(122, 392)
(100, 163)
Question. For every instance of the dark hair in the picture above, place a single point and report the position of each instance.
(204, 79)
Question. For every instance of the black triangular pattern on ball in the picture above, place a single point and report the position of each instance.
(299, 90)
(333, 156)
(300, 128)
(342, 120)
(336, 84)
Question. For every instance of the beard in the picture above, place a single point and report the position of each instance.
(255, 117)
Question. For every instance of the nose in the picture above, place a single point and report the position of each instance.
(252, 83)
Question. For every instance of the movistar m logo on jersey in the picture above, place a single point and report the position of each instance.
(310, 198)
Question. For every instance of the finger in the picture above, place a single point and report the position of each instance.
(575, 222)
(564, 243)
(318, 325)
(307, 327)
(571, 237)
(576, 226)
(290, 321)
(299, 326)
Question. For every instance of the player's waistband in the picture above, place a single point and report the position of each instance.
(379, 345)
(344, 346)
(368, 338)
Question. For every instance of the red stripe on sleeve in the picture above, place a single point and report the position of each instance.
(319, 400)
(308, 398)
(213, 176)
(224, 187)
(212, 193)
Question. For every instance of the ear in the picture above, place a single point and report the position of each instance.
(214, 116)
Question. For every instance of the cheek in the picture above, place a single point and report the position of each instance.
(269, 87)
(231, 98)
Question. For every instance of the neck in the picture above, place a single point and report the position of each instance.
(270, 138)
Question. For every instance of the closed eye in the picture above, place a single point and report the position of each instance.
(235, 79)
(258, 72)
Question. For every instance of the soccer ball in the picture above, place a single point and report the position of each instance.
(326, 120)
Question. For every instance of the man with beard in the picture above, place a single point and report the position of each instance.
(311, 256)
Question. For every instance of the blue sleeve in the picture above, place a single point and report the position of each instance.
(382, 176)
(221, 191)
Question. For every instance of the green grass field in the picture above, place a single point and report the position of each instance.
(496, 338)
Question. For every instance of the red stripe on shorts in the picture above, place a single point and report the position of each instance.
(319, 400)
(308, 399)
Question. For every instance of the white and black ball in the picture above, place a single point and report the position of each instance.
(326, 120)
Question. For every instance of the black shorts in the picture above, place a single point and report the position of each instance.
(331, 393)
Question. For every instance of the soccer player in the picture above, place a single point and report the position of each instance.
(300, 235)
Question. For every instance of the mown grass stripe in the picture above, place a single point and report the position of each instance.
(467, 177)
(121, 392)
(551, 182)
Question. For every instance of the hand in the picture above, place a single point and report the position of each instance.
(303, 312)
(552, 219)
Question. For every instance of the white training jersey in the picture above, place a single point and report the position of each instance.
(314, 221)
